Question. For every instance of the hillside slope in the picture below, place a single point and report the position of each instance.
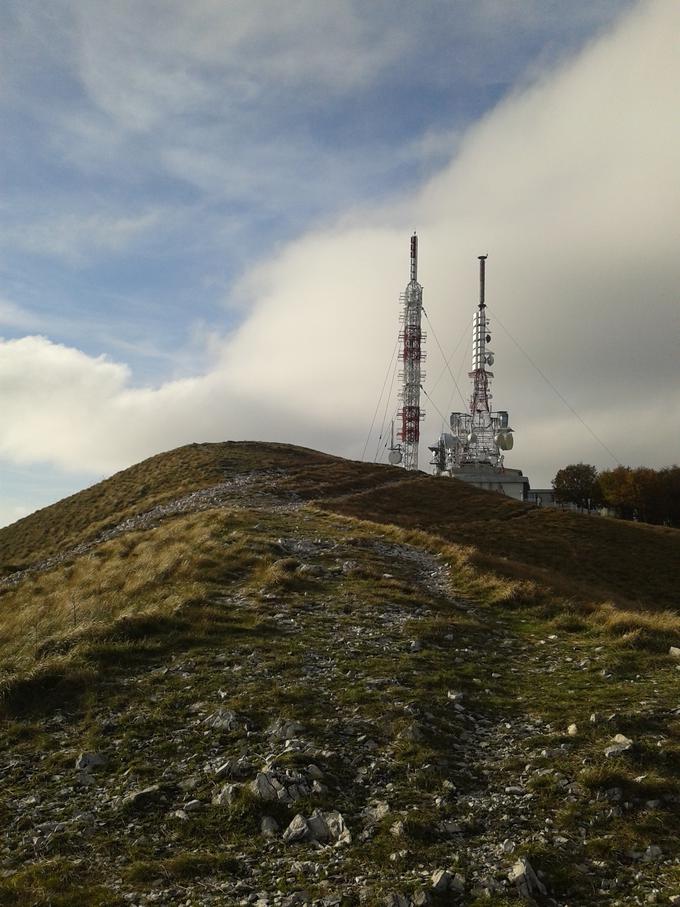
(273, 677)
(580, 555)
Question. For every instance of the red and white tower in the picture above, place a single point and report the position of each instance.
(412, 356)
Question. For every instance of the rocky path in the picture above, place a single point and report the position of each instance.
(239, 491)
(356, 734)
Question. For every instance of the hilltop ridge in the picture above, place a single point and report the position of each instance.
(582, 555)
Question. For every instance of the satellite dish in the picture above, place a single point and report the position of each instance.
(489, 358)
(488, 338)
(395, 457)
(505, 440)
(472, 437)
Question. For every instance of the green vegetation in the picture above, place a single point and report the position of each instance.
(650, 495)
(435, 644)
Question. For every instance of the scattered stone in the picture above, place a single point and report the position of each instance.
(269, 826)
(652, 854)
(411, 733)
(457, 884)
(284, 729)
(226, 796)
(398, 829)
(234, 768)
(525, 879)
(572, 730)
(298, 830)
(455, 696)
(263, 788)
(87, 761)
(147, 797)
(674, 652)
(620, 744)
(441, 881)
(320, 826)
(395, 899)
(376, 811)
(225, 720)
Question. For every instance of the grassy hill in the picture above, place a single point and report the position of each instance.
(579, 555)
(234, 634)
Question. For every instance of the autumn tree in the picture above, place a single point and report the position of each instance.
(619, 491)
(651, 495)
(578, 484)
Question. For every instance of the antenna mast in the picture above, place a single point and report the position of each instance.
(412, 355)
(479, 437)
(481, 394)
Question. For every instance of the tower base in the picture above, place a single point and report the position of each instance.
(509, 482)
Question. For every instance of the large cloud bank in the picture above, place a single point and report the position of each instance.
(570, 186)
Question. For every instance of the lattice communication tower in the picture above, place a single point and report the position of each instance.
(412, 356)
(480, 437)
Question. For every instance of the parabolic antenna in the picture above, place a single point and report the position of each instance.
(472, 437)
(395, 457)
(505, 440)
(489, 358)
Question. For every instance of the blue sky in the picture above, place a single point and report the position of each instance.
(161, 160)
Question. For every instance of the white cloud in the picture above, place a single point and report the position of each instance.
(76, 236)
(14, 316)
(143, 64)
(571, 186)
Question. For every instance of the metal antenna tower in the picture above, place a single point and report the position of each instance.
(480, 437)
(412, 355)
(481, 394)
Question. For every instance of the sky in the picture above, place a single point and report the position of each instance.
(206, 209)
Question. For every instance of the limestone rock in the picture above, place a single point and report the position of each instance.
(457, 884)
(284, 729)
(263, 788)
(225, 720)
(87, 761)
(375, 811)
(441, 880)
(298, 830)
(398, 829)
(395, 899)
(146, 797)
(525, 879)
(226, 795)
(320, 826)
(269, 826)
(620, 744)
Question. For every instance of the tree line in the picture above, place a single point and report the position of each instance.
(640, 493)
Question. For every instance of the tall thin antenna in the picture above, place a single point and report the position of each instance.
(481, 393)
(412, 355)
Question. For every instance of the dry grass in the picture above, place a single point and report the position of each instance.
(161, 478)
(589, 557)
(526, 550)
(133, 588)
(655, 631)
